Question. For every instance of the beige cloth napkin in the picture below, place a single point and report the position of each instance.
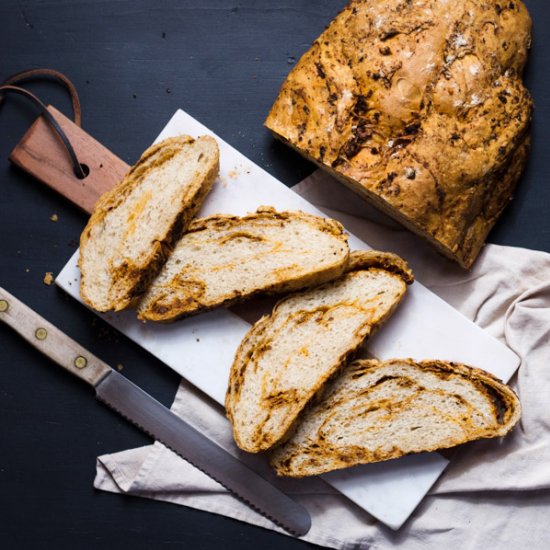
(494, 493)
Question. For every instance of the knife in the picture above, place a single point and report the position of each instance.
(154, 418)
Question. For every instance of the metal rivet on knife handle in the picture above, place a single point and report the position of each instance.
(80, 362)
(41, 333)
(4, 306)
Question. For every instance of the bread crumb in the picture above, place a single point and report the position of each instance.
(48, 278)
(119, 367)
(54, 217)
(232, 174)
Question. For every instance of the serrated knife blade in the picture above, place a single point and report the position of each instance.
(155, 419)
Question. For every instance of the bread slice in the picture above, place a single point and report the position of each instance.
(134, 225)
(225, 259)
(376, 411)
(287, 356)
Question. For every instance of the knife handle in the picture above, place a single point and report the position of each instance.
(50, 340)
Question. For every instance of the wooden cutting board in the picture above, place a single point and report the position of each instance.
(201, 349)
(42, 154)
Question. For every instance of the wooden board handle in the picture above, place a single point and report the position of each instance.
(48, 339)
(42, 154)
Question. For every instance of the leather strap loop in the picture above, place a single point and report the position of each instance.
(32, 74)
(9, 87)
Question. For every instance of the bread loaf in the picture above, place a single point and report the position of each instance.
(420, 108)
(225, 259)
(134, 226)
(380, 410)
(287, 357)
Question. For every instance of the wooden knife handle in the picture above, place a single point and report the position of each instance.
(50, 340)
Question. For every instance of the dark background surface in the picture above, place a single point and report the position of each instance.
(134, 63)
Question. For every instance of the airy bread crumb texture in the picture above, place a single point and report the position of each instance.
(225, 259)
(134, 226)
(287, 356)
(376, 411)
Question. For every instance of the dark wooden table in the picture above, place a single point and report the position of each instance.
(135, 62)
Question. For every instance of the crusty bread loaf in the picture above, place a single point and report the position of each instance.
(134, 225)
(377, 410)
(420, 108)
(225, 259)
(287, 356)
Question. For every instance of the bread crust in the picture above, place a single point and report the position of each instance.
(420, 108)
(131, 278)
(171, 299)
(363, 259)
(311, 451)
(266, 334)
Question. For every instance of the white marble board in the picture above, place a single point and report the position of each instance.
(201, 348)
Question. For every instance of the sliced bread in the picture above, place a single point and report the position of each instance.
(134, 225)
(225, 259)
(287, 356)
(375, 411)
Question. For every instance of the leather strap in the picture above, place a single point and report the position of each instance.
(9, 87)
(32, 74)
